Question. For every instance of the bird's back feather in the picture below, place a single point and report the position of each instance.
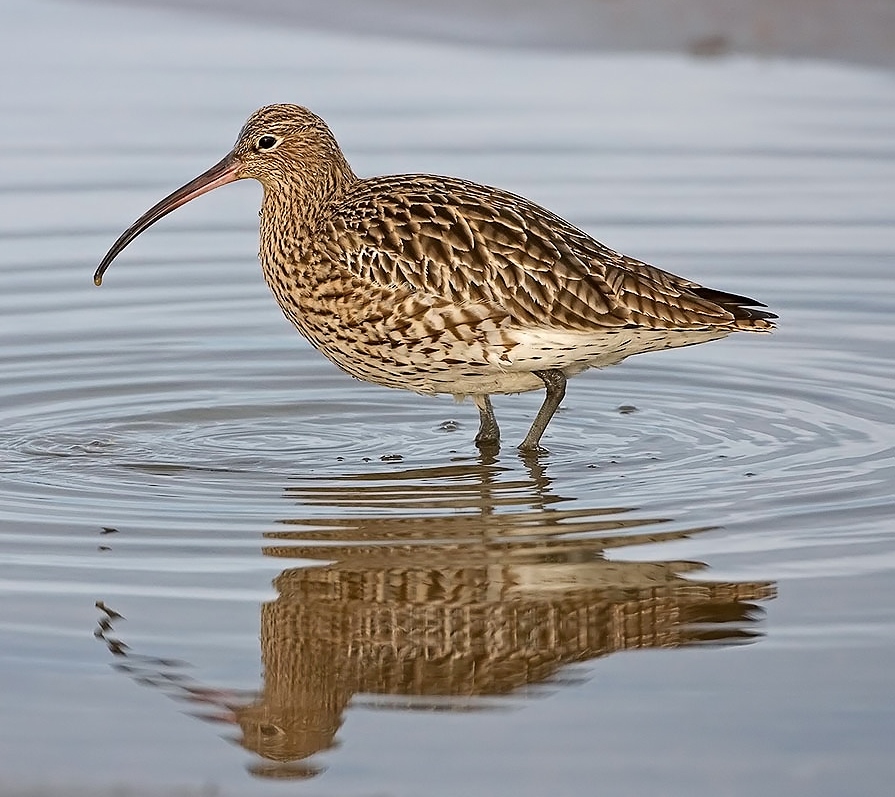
(470, 243)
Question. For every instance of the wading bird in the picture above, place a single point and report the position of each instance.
(441, 285)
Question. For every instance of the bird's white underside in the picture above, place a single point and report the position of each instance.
(551, 349)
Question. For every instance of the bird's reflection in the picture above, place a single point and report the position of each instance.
(446, 588)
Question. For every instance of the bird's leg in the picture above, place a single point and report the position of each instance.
(489, 432)
(555, 382)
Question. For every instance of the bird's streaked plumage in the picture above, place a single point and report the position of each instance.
(441, 285)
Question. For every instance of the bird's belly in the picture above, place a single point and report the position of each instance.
(456, 368)
(429, 345)
(498, 364)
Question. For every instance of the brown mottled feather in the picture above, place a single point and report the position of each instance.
(441, 285)
(468, 242)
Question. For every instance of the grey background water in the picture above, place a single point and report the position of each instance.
(692, 593)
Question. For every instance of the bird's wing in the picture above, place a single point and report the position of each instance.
(472, 243)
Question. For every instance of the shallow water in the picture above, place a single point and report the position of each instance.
(208, 534)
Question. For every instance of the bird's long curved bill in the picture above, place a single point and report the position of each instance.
(220, 174)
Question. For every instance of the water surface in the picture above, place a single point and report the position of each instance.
(224, 564)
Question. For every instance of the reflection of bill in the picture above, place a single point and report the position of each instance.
(445, 588)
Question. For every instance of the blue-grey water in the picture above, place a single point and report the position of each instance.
(227, 568)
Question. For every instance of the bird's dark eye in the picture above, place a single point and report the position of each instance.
(267, 142)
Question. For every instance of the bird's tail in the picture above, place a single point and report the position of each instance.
(746, 312)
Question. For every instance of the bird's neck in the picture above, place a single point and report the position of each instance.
(292, 216)
(293, 210)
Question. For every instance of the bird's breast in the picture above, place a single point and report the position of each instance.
(388, 334)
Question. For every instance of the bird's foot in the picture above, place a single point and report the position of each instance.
(489, 441)
(532, 450)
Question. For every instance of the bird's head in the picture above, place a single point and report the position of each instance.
(281, 145)
(287, 148)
